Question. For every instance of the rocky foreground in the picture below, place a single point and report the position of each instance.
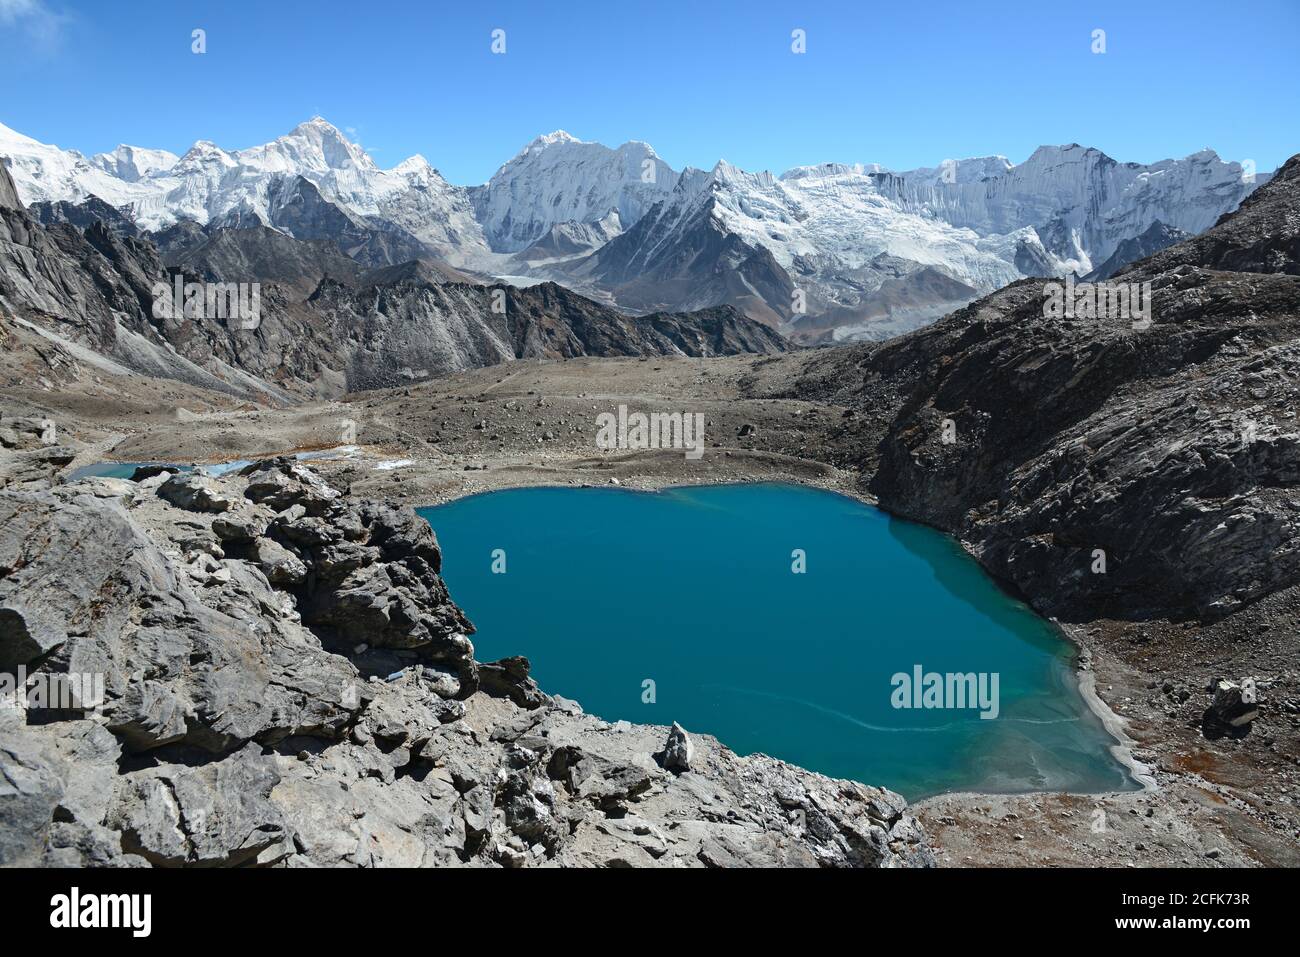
(287, 682)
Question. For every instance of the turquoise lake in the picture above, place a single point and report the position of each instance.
(693, 588)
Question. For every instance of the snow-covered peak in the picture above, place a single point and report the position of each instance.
(726, 173)
(416, 164)
(975, 169)
(693, 180)
(134, 163)
(11, 139)
(418, 172)
(1068, 154)
(1081, 202)
(44, 172)
(558, 178)
(834, 217)
(557, 138)
(202, 153)
(212, 184)
(316, 146)
(317, 125)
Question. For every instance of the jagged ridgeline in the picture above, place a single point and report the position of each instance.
(325, 323)
(823, 253)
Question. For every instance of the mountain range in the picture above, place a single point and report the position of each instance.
(79, 282)
(824, 252)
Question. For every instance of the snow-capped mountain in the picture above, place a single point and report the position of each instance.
(835, 222)
(560, 179)
(818, 239)
(1081, 202)
(133, 163)
(831, 249)
(210, 184)
(684, 250)
(855, 239)
(42, 172)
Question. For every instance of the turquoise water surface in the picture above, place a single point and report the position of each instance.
(693, 589)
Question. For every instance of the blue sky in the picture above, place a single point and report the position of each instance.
(905, 85)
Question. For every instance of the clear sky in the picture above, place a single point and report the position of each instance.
(902, 84)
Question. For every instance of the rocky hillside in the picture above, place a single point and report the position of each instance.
(326, 325)
(1262, 236)
(1157, 237)
(680, 254)
(287, 682)
(83, 215)
(263, 255)
(1103, 469)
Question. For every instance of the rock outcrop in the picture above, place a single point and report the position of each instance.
(287, 682)
(193, 492)
(678, 752)
(26, 432)
(1232, 710)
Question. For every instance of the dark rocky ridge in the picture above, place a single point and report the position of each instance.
(557, 322)
(242, 626)
(704, 265)
(263, 255)
(85, 214)
(297, 208)
(1174, 449)
(375, 324)
(1158, 236)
